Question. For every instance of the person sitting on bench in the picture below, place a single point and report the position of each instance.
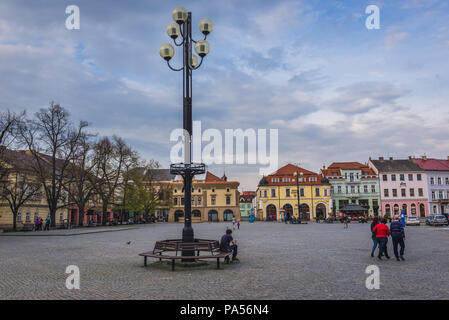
(226, 246)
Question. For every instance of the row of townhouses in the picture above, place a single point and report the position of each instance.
(418, 186)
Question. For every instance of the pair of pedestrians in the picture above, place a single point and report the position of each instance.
(380, 233)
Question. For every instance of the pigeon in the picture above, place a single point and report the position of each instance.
(128, 243)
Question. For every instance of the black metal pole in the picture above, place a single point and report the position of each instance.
(299, 208)
(187, 231)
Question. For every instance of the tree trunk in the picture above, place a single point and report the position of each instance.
(14, 221)
(81, 215)
(53, 217)
(105, 213)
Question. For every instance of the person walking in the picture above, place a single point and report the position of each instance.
(382, 232)
(398, 237)
(345, 220)
(233, 223)
(238, 224)
(373, 236)
(36, 224)
(47, 223)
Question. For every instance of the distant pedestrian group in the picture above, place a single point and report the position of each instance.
(39, 224)
(380, 233)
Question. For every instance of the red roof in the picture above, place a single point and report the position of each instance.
(288, 171)
(210, 177)
(433, 164)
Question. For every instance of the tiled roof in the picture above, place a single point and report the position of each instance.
(290, 169)
(162, 175)
(210, 177)
(336, 167)
(433, 164)
(395, 165)
(348, 165)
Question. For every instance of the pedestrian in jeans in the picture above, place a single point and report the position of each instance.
(373, 236)
(398, 237)
(382, 232)
(47, 223)
(227, 244)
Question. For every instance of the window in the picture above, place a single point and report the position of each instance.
(365, 188)
(432, 180)
(325, 192)
(384, 177)
(420, 192)
(28, 217)
(273, 193)
(287, 193)
(395, 192)
(447, 180)
(358, 189)
(373, 188)
(175, 201)
(212, 200)
(433, 195)
(434, 209)
(418, 177)
(301, 192)
(351, 176)
(265, 193)
(339, 189)
(403, 195)
(182, 201)
(393, 177)
(386, 192)
(412, 192)
(199, 201)
(199, 190)
(440, 194)
(387, 210)
(439, 180)
(61, 216)
(317, 192)
(228, 199)
(410, 177)
(213, 189)
(176, 190)
(352, 189)
(401, 177)
(285, 179)
(19, 216)
(274, 179)
(332, 189)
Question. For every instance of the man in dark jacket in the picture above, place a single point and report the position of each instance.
(227, 244)
(398, 237)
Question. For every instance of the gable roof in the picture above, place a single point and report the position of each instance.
(396, 165)
(210, 177)
(290, 169)
(432, 164)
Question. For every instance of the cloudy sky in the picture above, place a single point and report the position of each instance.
(335, 90)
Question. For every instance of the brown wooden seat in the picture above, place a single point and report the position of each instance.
(176, 246)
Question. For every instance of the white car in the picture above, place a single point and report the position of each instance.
(412, 221)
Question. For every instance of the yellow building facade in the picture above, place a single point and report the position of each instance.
(277, 195)
(214, 199)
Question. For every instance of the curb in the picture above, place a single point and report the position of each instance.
(62, 235)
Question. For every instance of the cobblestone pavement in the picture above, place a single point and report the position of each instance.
(278, 261)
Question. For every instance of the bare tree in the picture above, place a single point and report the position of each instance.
(112, 159)
(52, 139)
(79, 176)
(9, 123)
(18, 185)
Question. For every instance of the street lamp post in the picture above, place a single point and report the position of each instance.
(183, 27)
(297, 185)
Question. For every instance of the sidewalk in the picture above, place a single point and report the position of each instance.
(67, 232)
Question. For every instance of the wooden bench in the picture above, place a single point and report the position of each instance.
(175, 246)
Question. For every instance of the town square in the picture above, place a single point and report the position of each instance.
(277, 262)
(224, 158)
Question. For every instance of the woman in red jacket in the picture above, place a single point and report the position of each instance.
(382, 232)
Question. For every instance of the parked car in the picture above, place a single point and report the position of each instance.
(436, 220)
(412, 221)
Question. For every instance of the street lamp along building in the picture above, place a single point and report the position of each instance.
(277, 195)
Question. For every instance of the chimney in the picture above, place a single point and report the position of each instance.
(424, 157)
(381, 158)
(391, 158)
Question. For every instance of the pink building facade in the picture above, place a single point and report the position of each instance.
(90, 215)
(403, 186)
